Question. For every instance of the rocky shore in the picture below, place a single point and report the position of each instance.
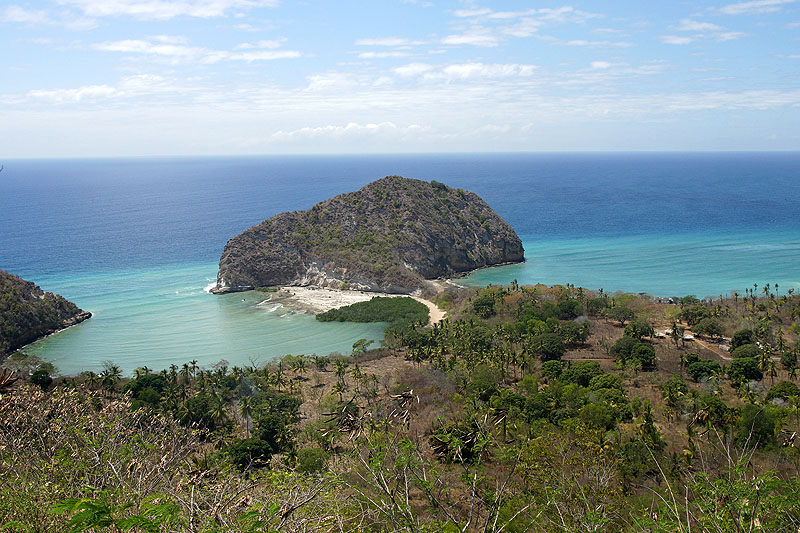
(27, 313)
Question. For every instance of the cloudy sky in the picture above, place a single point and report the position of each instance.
(186, 77)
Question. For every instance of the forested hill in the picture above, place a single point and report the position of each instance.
(389, 236)
(28, 313)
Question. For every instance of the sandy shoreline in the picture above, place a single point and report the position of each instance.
(318, 300)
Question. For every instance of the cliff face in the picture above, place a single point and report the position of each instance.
(27, 313)
(387, 237)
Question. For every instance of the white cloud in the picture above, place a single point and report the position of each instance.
(755, 7)
(564, 14)
(583, 42)
(381, 55)
(693, 25)
(40, 17)
(128, 87)
(677, 39)
(602, 65)
(728, 35)
(481, 70)
(164, 9)
(413, 69)
(330, 81)
(476, 36)
(351, 131)
(58, 96)
(268, 44)
(468, 13)
(388, 41)
(170, 39)
(701, 31)
(177, 53)
(146, 47)
(260, 55)
(25, 16)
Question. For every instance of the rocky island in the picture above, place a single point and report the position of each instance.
(27, 313)
(391, 236)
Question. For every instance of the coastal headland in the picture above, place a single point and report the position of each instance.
(27, 313)
(392, 236)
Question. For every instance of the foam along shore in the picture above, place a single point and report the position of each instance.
(320, 299)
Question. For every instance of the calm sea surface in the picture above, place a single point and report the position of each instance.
(136, 241)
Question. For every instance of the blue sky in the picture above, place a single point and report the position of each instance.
(185, 77)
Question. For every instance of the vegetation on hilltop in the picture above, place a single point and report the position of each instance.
(390, 236)
(27, 313)
(529, 409)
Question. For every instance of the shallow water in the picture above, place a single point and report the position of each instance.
(162, 316)
(135, 241)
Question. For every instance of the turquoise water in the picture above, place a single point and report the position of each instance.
(709, 264)
(135, 241)
(162, 316)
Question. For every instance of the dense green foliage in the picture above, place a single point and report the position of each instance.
(398, 312)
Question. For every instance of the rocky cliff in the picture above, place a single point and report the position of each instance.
(390, 236)
(27, 313)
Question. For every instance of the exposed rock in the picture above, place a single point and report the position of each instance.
(27, 313)
(390, 237)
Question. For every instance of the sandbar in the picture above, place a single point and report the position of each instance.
(319, 299)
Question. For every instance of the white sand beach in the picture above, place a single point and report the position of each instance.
(318, 300)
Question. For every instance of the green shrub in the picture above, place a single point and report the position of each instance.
(756, 426)
(250, 453)
(398, 312)
(42, 378)
(311, 460)
(622, 349)
(744, 369)
(581, 373)
(742, 336)
(598, 416)
(639, 328)
(645, 355)
(552, 369)
(606, 381)
(783, 390)
(548, 346)
(709, 327)
(703, 369)
(746, 350)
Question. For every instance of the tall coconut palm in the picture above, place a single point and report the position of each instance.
(218, 406)
(110, 376)
(246, 410)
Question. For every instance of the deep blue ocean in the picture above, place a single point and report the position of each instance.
(136, 241)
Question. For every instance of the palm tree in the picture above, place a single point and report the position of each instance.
(92, 379)
(339, 388)
(299, 365)
(111, 375)
(772, 369)
(246, 410)
(217, 406)
(193, 364)
(340, 366)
